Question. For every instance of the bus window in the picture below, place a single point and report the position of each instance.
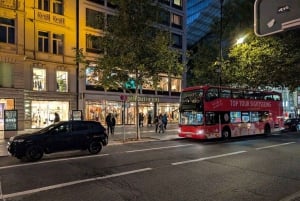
(225, 93)
(235, 117)
(245, 117)
(211, 94)
(276, 97)
(263, 116)
(211, 118)
(254, 117)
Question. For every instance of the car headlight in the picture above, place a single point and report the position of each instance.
(19, 140)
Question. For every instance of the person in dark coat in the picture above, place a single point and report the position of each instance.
(109, 122)
(149, 120)
(56, 117)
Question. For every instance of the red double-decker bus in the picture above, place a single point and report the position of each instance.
(219, 112)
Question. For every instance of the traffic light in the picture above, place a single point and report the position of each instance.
(273, 16)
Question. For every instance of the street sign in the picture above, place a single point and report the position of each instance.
(274, 16)
(123, 97)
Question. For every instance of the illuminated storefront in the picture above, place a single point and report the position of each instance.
(42, 112)
(98, 110)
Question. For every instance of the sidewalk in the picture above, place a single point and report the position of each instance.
(123, 134)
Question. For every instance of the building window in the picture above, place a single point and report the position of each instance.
(58, 7)
(57, 43)
(62, 81)
(176, 21)
(7, 30)
(165, 17)
(101, 2)
(177, 40)
(92, 76)
(39, 79)
(111, 4)
(175, 85)
(94, 19)
(93, 44)
(43, 41)
(163, 85)
(44, 5)
(167, 2)
(177, 4)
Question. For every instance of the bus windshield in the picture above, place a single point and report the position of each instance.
(191, 118)
(191, 96)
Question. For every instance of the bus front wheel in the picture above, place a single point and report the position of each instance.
(225, 134)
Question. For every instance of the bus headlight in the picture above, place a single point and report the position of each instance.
(200, 132)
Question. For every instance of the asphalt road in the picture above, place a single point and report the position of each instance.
(248, 169)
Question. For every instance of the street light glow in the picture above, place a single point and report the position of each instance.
(240, 40)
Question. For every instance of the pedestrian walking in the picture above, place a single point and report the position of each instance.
(165, 120)
(56, 117)
(156, 123)
(110, 122)
(149, 120)
(161, 127)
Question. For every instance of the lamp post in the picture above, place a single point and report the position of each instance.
(220, 43)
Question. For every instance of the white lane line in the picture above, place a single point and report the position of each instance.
(56, 186)
(276, 145)
(52, 161)
(158, 148)
(207, 158)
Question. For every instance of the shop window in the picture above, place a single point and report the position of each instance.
(176, 21)
(62, 81)
(58, 7)
(93, 44)
(177, 40)
(57, 44)
(7, 30)
(39, 79)
(43, 41)
(176, 85)
(44, 5)
(94, 19)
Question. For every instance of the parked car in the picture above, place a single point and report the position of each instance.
(57, 137)
(291, 124)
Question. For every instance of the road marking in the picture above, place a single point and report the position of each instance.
(61, 185)
(276, 145)
(158, 148)
(207, 158)
(51, 161)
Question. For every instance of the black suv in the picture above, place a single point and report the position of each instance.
(60, 136)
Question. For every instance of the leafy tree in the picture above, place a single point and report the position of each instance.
(136, 47)
(258, 62)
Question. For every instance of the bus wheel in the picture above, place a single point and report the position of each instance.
(225, 134)
(267, 129)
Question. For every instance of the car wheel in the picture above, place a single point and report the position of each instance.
(95, 147)
(34, 153)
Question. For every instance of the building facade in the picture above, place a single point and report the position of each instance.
(39, 74)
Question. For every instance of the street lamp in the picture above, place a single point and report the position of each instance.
(221, 54)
